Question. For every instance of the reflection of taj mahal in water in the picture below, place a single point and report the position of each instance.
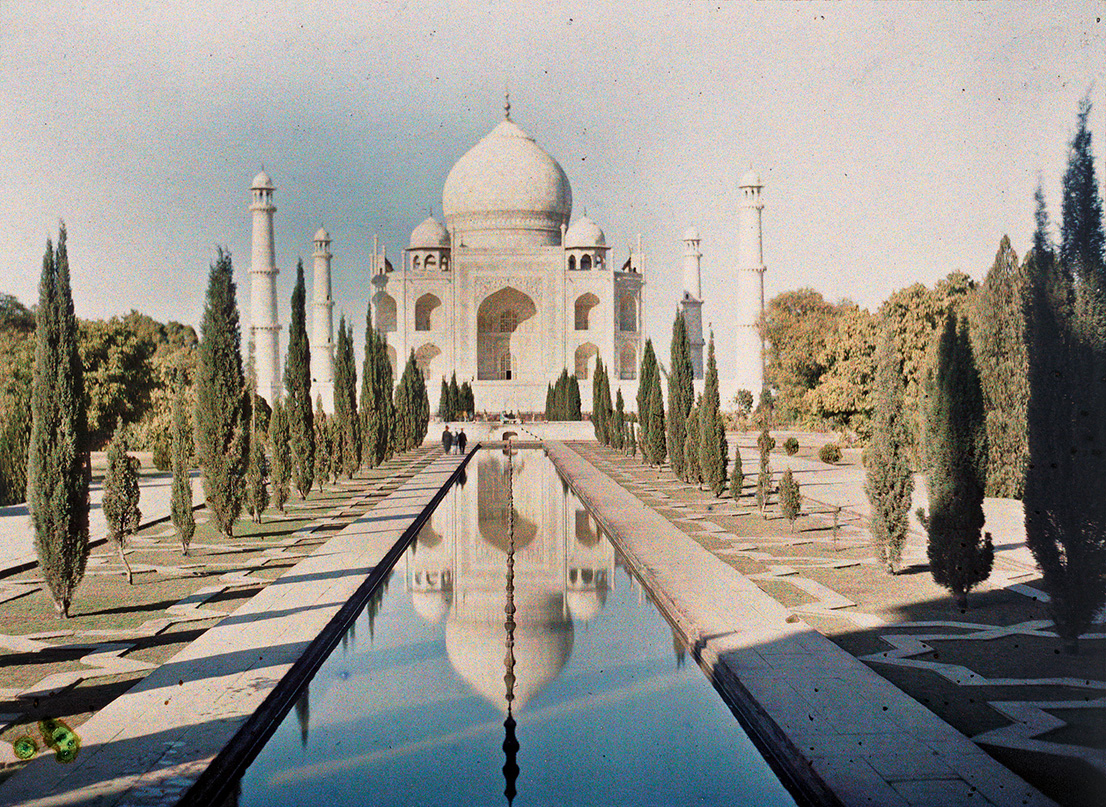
(562, 573)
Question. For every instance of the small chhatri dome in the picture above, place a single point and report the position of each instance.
(584, 233)
(431, 234)
(262, 182)
(322, 235)
(507, 191)
(751, 180)
(691, 234)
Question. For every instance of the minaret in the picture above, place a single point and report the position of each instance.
(750, 290)
(691, 304)
(322, 332)
(263, 308)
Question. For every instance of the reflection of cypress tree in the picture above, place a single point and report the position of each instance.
(679, 648)
(303, 714)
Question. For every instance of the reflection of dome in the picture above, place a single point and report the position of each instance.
(585, 605)
(474, 640)
(584, 233)
(430, 235)
(431, 605)
(507, 191)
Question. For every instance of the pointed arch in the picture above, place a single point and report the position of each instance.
(424, 359)
(384, 306)
(627, 362)
(428, 312)
(627, 312)
(584, 304)
(585, 360)
(505, 332)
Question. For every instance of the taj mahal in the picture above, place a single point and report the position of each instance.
(509, 290)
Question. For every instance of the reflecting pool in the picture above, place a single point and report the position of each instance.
(511, 659)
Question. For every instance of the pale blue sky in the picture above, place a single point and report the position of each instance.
(897, 141)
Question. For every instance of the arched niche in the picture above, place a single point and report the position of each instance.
(627, 362)
(584, 304)
(627, 312)
(384, 307)
(505, 324)
(424, 359)
(428, 312)
(585, 360)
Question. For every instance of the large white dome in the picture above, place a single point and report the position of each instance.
(506, 191)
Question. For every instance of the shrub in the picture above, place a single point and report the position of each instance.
(790, 499)
(791, 446)
(830, 453)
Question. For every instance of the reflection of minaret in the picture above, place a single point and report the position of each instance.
(510, 742)
(750, 289)
(691, 304)
(322, 335)
(303, 715)
(263, 272)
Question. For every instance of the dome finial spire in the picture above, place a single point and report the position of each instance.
(506, 103)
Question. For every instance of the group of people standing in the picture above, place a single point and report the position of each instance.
(449, 440)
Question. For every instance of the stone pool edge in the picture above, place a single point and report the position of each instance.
(835, 730)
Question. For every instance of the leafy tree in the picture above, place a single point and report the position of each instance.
(257, 472)
(58, 464)
(222, 399)
(681, 394)
(998, 340)
(181, 499)
(616, 431)
(297, 383)
(121, 494)
(889, 482)
(795, 327)
(691, 447)
(843, 395)
(737, 476)
(790, 498)
(120, 378)
(279, 437)
(744, 401)
(1066, 335)
(346, 419)
(765, 444)
(713, 450)
(960, 556)
(17, 359)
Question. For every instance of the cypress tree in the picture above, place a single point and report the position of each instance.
(657, 442)
(222, 399)
(257, 472)
(889, 483)
(960, 557)
(346, 419)
(281, 471)
(1081, 236)
(1066, 313)
(631, 439)
(681, 394)
(181, 498)
(790, 499)
(445, 410)
(737, 476)
(598, 422)
(322, 442)
(616, 431)
(468, 401)
(455, 402)
(549, 403)
(297, 383)
(337, 459)
(998, 339)
(765, 444)
(121, 494)
(713, 450)
(575, 405)
(693, 472)
(645, 382)
(58, 467)
(422, 405)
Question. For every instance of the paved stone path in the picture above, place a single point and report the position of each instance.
(148, 746)
(863, 736)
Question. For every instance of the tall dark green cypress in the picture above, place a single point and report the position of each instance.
(468, 400)
(998, 339)
(257, 472)
(713, 449)
(598, 423)
(181, 498)
(121, 495)
(765, 444)
(445, 407)
(960, 555)
(737, 476)
(889, 482)
(645, 382)
(681, 394)
(347, 421)
(222, 399)
(297, 384)
(656, 438)
(616, 430)
(1066, 333)
(323, 442)
(693, 474)
(1082, 243)
(58, 468)
(455, 398)
(281, 466)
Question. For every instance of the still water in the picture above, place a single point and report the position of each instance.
(437, 696)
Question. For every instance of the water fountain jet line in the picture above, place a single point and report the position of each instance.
(510, 742)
